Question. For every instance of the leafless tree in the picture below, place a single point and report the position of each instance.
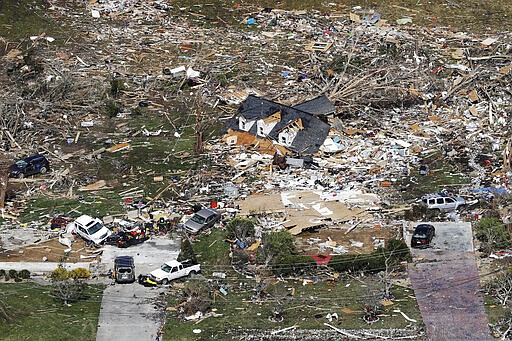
(68, 290)
(390, 267)
(501, 288)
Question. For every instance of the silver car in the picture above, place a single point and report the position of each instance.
(204, 218)
(442, 202)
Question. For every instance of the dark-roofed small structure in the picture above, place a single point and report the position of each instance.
(276, 127)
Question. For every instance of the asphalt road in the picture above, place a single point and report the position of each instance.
(447, 284)
(129, 311)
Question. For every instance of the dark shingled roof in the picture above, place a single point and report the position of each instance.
(317, 106)
(307, 141)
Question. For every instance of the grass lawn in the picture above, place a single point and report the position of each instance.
(303, 305)
(307, 308)
(495, 311)
(35, 315)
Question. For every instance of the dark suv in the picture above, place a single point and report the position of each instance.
(31, 165)
(423, 235)
(124, 269)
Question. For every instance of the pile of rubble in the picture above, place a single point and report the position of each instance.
(402, 94)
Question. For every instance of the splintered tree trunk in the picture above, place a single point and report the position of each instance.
(4, 179)
(199, 141)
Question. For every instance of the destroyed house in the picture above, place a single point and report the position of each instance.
(274, 126)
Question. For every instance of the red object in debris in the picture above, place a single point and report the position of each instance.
(487, 163)
(128, 200)
(214, 204)
(437, 70)
(322, 260)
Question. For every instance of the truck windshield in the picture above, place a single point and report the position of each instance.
(165, 268)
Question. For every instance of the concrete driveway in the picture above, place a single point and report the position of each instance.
(132, 311)
(450, 237)
(447, 284)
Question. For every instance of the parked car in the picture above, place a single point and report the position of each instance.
(422, 236)
(442, 202)
(31, 165)
(173, 269)
(204, 218)
(124, 269)
(90, 229)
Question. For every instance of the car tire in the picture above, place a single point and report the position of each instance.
(43, 170)
(165, 281)
(192, 274)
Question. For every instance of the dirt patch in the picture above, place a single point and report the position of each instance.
(51, 250)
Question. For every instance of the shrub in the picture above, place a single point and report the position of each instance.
(240, 228)
(293, 264)
(278, 244)
(187, 252)
(79, 273)
(13, 273)
(59, 274)
(113, 108)
(397, 250)
(2, 272)
(492, 234)
(116, 86)
(138, 111)
(24, 274)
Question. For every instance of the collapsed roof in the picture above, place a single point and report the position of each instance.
(309, 132)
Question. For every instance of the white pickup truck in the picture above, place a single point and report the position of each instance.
(173, 269)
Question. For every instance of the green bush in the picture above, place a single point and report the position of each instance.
(398, 250)
(187, 252)
(2, 272)
(138, 111)
(24, 274)
(79, 273)
(240, 228)
(59, 274)
(293, 264)
(279, 244)
(492, 234)
(113, 108)
(116, 86)
(13, 273)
